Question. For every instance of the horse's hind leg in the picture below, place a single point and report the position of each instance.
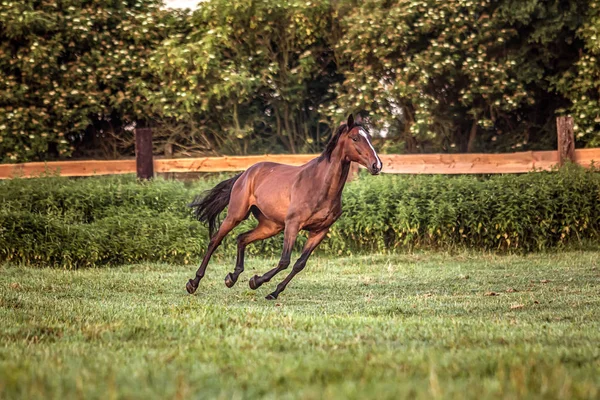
(226, 227)
(237, 212)
(265, 229)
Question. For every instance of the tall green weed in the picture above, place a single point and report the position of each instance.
(114, 220)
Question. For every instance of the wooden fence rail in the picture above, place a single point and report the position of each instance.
(145, 166)
(392, 163)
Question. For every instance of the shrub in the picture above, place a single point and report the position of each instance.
(109, 221)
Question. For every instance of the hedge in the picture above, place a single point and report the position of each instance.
(114, 220)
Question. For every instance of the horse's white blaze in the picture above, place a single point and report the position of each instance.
(364, 134)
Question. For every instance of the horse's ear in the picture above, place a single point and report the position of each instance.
(350, 121)
(358, 120)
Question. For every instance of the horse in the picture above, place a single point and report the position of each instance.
(284, 198)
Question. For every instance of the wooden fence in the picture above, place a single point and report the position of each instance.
(392, 163)
(145, 166)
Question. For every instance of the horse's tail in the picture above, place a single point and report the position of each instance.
(209, 204)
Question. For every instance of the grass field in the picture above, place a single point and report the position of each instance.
(414, 326)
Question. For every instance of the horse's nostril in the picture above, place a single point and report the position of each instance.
(374, 166)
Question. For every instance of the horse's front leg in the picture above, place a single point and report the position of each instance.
(290, 234)
(314, 239)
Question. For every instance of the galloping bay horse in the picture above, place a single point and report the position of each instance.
(285, 198)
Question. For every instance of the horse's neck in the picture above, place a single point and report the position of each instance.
(334, 174)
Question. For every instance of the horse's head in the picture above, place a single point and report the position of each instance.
(357, 146)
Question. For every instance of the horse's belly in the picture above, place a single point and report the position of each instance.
(273, 201)
(322, 219)
(273, 208)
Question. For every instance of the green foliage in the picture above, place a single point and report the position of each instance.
(582, 83)
(253, 76)
(458, 74)
(98, 221)
(68, 68)
(247, 70)
(527, 212)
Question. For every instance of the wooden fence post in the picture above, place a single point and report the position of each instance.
(566, 139)
(143, 153)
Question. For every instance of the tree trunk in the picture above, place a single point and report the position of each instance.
(288, 127)
(238, 129)
(472, 136)
(284, 139)
(318, 136)
(410, 144)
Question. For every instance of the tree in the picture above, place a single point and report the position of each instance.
(255, 76)
(440, 74)
(581, 84)
(70, 70)
(251, 72)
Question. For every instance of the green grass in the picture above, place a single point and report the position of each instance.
(412, 326)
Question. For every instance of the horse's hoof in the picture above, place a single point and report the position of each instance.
(271, 296)
(229, 282)
(190, 287)
(252, 282)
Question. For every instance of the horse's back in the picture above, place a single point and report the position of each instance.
(266, 171)
(268, 185)
(271, 166)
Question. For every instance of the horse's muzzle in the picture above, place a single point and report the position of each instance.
(374, 169)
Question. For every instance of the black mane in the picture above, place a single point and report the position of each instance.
(326, 155)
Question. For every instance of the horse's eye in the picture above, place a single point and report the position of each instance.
(355, 138)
